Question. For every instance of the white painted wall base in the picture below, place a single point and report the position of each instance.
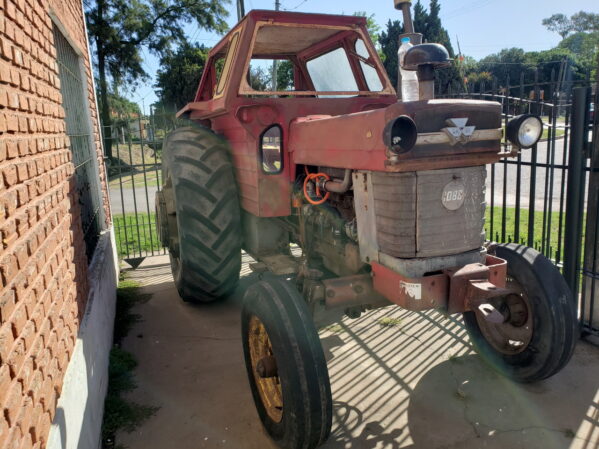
(78, 420)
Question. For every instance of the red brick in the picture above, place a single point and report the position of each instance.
(5, 379)
(8, 268)
(12, 150)
(43, 426)
(17, 355)
(9, 173)
(13, 401)
(7, 340)
(4, 430)
(21, 255)
(13, 440)
(7, 305)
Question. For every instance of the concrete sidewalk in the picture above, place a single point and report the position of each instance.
(417, 384)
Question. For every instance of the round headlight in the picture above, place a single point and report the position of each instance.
(525, 130)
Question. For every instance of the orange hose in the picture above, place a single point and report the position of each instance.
(315, 176)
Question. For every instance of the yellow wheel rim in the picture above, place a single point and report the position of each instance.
(269, 388)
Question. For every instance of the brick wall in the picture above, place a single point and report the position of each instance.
(43, 281)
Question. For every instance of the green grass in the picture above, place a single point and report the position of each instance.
(119, 412)
(136, 234)
(510, 228)
(559, 132)
(387, 321)
(149, 178)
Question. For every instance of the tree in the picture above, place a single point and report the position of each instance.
(581, 22)
(558, 23)
(509, 63)
(179, 75)
(389, 40)
(373, 27)
(585, 22)
(285, 75)
(120, 106)
(585, 46)
(119, 29)
(429, 24)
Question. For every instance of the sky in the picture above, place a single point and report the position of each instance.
(481, 26)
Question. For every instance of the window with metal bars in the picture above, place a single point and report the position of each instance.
(78, 128)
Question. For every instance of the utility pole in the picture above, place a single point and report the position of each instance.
(240, 10)
(275, 62)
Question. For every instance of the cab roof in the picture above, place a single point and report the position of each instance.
(318, 22)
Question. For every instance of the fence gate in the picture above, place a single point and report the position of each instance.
(589, 307)
(135, 175)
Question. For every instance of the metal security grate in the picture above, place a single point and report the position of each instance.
(73, 91)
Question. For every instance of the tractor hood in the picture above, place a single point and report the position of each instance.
(449, 133)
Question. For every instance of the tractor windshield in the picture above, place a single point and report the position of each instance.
(308, 60)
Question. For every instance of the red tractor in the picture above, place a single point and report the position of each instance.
(348, 199)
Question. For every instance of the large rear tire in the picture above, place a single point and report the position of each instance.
(205, 239)
(540, 330)
(286, 366)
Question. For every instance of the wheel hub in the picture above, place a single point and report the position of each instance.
(513, 334)
(264, 366)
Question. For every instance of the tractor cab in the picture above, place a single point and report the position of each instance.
(272, 54)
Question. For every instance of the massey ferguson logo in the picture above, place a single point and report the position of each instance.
(457, 130)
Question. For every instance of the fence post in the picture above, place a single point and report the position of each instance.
(576, 187)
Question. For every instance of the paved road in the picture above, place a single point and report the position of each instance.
(417, 385)
(130, 197)
(543, 176)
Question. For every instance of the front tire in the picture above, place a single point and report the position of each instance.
(286, 366)
(540, 329)
(204, 237)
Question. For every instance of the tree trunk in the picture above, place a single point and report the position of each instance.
(104, 106)
(105, 118)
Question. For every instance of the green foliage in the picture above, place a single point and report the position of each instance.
(389, 41)
(120, 413)
(373, 27)
(581, 22)
(179, 74)
(558, 23)
(388, 321)
(285, 75)
(429, 24)
(508, 63)
(120, 106)
(260, 79)
(129, 240)
(513, 65)
(127, 295)
(119, 30)
(585, 47)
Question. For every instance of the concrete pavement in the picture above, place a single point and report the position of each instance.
(417, 384)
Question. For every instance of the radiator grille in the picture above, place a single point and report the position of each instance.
(411, 220)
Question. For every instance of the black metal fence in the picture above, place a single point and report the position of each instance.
(547, 197)
(134, 172)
